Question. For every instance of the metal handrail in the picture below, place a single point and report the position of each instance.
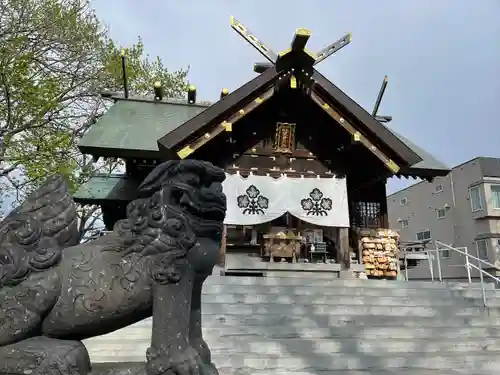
(440, 246)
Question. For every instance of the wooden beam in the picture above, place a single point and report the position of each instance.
(371, 126)
(300, 39)
(343, 256)
(299, 165)
(267, 151)
(262, 67)
(253, 40)
(276, 173)
(332, 48)
(356, 134)
(211, 115)
(379, 97)
(225, 125)
(384, 213)
(223, 247)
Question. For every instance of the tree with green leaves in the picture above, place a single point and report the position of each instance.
(55, 59)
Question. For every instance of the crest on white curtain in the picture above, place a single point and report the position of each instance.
(252, 202)
(319, 201)
(316, 204)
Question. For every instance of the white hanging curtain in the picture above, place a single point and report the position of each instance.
(319, 201)
(260, 199)
(253, 200)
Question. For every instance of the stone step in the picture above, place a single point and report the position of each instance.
(341, 362)
(432, 296)
(353, 372)
(378, 347)
(306, 290)
(266, 320)
(313, 347)
(245, 362)
(248, 371)
(397, 284)
(212, 335)
(337, 309)
(138, 368)
(331, 300)
(223, 321)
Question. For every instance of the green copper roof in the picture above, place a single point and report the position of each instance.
(107, 188)
(428, 162)
(135, 124)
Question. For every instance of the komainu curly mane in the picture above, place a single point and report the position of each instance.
(33, 236)
(153, 229)
(160, 224)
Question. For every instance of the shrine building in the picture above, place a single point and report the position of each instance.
(306, 165)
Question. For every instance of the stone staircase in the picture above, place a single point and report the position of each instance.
(306, 325)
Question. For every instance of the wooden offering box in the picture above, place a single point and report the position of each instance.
(282, 244)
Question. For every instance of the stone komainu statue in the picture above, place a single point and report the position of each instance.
(55, 291)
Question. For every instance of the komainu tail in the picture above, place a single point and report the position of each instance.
(34, 234)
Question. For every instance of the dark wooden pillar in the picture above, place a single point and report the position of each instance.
(222, 255)
(382, 198)
(343, 255)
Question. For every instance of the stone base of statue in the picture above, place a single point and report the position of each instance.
(128, 368)
(32, 357)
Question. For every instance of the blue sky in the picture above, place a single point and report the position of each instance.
(442, 57)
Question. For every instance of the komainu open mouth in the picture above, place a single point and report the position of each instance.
(207, 204)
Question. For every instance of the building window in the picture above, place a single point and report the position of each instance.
(424, 235)
(482, 249)
(439, 188)
(475, 199)
(495, 196)
(403, 202)
(445, 253)
(404, 223)
(441, 213)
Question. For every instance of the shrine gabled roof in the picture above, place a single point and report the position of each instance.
(222, 114)
(221, 111)
(428, 167)
(224, 107)
(131, 127)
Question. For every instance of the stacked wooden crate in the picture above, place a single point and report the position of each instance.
(380, 252)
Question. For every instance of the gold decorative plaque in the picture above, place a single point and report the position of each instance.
(285, 137)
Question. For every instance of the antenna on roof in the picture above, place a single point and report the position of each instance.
(377, 104)
(124, 73)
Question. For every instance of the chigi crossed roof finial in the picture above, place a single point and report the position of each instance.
(298, 57)
(298, 47)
